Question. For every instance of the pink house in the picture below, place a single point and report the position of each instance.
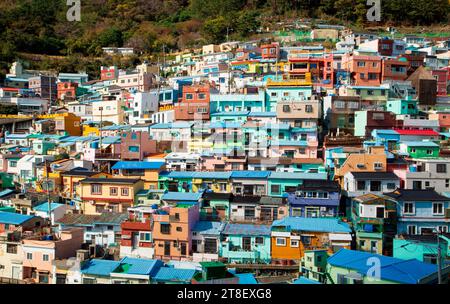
(39, 252)
(219, 163)
(293, 149)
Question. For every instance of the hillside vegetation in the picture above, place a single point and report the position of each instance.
(40, 26)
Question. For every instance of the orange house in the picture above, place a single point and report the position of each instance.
(172, 232)
(292, 236)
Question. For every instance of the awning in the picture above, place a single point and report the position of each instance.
(340, 237)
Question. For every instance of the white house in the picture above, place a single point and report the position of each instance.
(361, 183)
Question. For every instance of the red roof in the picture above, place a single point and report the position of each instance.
(10, 89)
(417, 132)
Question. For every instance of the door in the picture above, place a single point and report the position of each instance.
(183, 248)
(380, 212)
(17, 272)
(167, 248)
(246, 243)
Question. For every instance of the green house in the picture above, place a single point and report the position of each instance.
(402, 106)
(419, 149)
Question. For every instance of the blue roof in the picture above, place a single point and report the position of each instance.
(208, 228)
(14, 218)
(214, 175)
(174, 274)
(44, 207)
(299, 143)
(246, 278)
(6, 192)
(181, 196)
(303, 280)
(391, 132)
(392, 269)
(142, 165)
(297, 175)
(246, 229)
(262, 114)
(100, 267)
(313, 224)
(142, 266)
(250, 174)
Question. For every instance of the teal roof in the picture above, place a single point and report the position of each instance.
(168, 274)
(420, 144)
(303, 280)
(313, 224)
(141, 266)
(300, 143)
(138, 165)
(44, 207)
(181, 196)
(99, 267)
(14, 218)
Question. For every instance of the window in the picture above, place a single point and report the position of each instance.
(378, 166)
(447, 183)
(134, 149)
(294, 243)
(308, 109)
(429, 152)
(362, 243)
(96, 189)
(201, 96)
(442, 229)
(29, 256)
(412, 230)
(165, 228)
(124, 191)
(275, 189)
(281, 242)
(179, 229)
(370, 92)
(113, 191)
(391, 186)
(145, 237)
(259, 240)
(361, 185)
(45, 257)
(441, 168)
(189, 96)
(408, 208)
(361, 64)
(438, 208)
(273, 94)
(286, 108)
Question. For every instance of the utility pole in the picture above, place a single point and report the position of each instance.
(47, 168)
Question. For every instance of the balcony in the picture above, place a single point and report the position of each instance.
(136, 225)
(107, 156)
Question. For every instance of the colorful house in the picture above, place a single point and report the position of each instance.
(246, 243)
(419, 149)
(148, 171)
(292, 236)
(351, 267)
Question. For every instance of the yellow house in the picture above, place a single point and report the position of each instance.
(148, 171)
(100, 195)
(71, 182)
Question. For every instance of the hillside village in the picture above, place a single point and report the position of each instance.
(281, 160)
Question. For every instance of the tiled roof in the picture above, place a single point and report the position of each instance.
(392, 269)
(88, 219)
(417, 195)
(246, 229)
(313, 224)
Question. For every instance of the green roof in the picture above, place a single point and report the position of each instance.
(211, 264)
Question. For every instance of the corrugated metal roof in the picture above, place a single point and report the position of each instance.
(246, 278)
(312, 224)
(392, 269)
(142, 165)
(208, 228)
(100, 267)
(246, 229)
(181, 196)
(303, 280)
(6, 192)
(297, 175)
(174, 275)
(13, 218)
(141, 266)
(250, 174)
(44, 207)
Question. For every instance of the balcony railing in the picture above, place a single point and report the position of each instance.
(107, 156)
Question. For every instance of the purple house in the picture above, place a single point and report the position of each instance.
(315, 198)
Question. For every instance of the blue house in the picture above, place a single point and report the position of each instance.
(421, 211)
(315, 198)
(246, 243)
(358, 267)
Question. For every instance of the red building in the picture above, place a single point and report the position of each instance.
(270, 51)
(442, 76)
(395, 69)
(67, 90)
(136, 238)
(194, 103)
(364, 70)
(321, 69)
(108, 73)
(415, 60)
